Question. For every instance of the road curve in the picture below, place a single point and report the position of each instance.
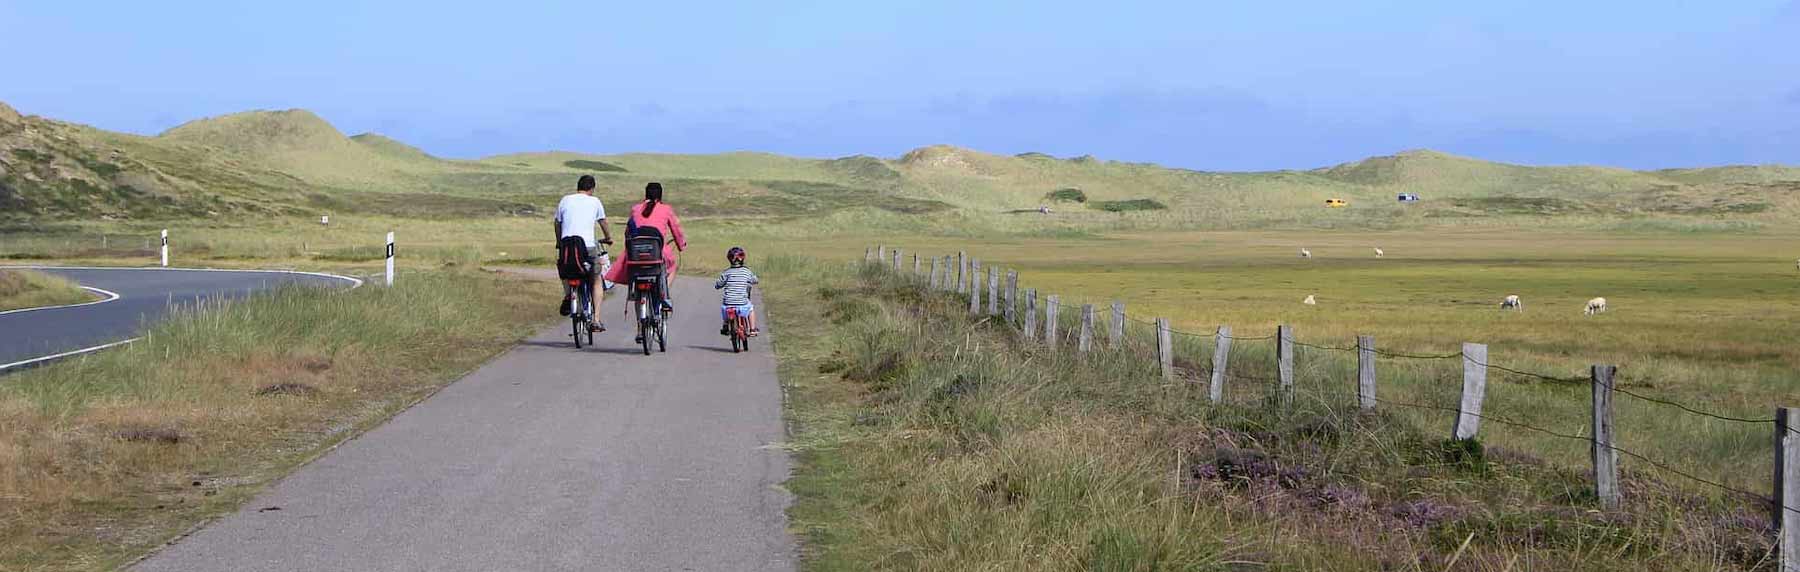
(546, 458)
(144, 295)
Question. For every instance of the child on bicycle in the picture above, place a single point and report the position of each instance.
(736, 282)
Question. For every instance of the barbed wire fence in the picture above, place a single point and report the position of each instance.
(1045, 325)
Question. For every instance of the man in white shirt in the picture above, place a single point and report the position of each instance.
(577, 215)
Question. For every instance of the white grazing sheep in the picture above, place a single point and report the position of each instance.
(1304, 253)
(1379, 253)
(1512, 301)
(1596, 306)
(1310, 301)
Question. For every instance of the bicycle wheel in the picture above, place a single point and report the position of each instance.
(644, 332)
(744, 330)
(575, 329)
(662, 334)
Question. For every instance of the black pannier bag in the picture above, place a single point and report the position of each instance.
(572, 258)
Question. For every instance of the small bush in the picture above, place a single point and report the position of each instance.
(587, 165)
(1130, 205)
(1066, 195)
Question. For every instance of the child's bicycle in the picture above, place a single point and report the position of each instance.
(739, 327)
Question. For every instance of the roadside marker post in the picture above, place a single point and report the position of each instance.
(390, 259)
(165, 248)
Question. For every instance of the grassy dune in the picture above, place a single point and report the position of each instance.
(930, 441)
(21, 288)
(107, 456)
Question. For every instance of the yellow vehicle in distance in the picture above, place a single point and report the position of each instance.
(1336, 203)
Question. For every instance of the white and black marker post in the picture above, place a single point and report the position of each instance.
(165, 247)
(390, 259)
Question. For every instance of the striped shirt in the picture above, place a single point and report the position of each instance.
(736, 283)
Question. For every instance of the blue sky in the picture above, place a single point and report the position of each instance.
(1206, 85)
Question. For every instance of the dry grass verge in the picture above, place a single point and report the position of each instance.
(21, 288)
(106, 457)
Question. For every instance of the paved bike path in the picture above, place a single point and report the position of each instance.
(547, 458)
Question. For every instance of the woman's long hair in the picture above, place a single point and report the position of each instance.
(652, 196)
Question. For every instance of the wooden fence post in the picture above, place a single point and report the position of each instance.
(880, 253)
(947, 270)
(962, 267)
(974, 301)
(1052, 307)
(993, 287)
(1284, 361)
(1030, 314)
(1085, 342)
(896, 261)
(1606, 459)
(1116, 335)
(934, 273)
(1221, 358)
(1012, 297)
(974, 281)
(1787, 487)
(1365, 372)
(1468, 414)
(915, 264)
(1165, 349)
(868, 253)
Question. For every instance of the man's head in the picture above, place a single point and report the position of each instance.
(585, 184)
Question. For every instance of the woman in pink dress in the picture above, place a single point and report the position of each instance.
(652, 213)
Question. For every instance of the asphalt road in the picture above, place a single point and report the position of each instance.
(145, 295)
(547, 458)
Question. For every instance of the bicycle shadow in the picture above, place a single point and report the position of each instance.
(714, 349)
(570, 345)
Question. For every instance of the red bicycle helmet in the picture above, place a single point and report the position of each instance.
(735, 255)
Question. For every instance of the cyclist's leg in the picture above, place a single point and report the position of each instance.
(596, 295)
(663, 285)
